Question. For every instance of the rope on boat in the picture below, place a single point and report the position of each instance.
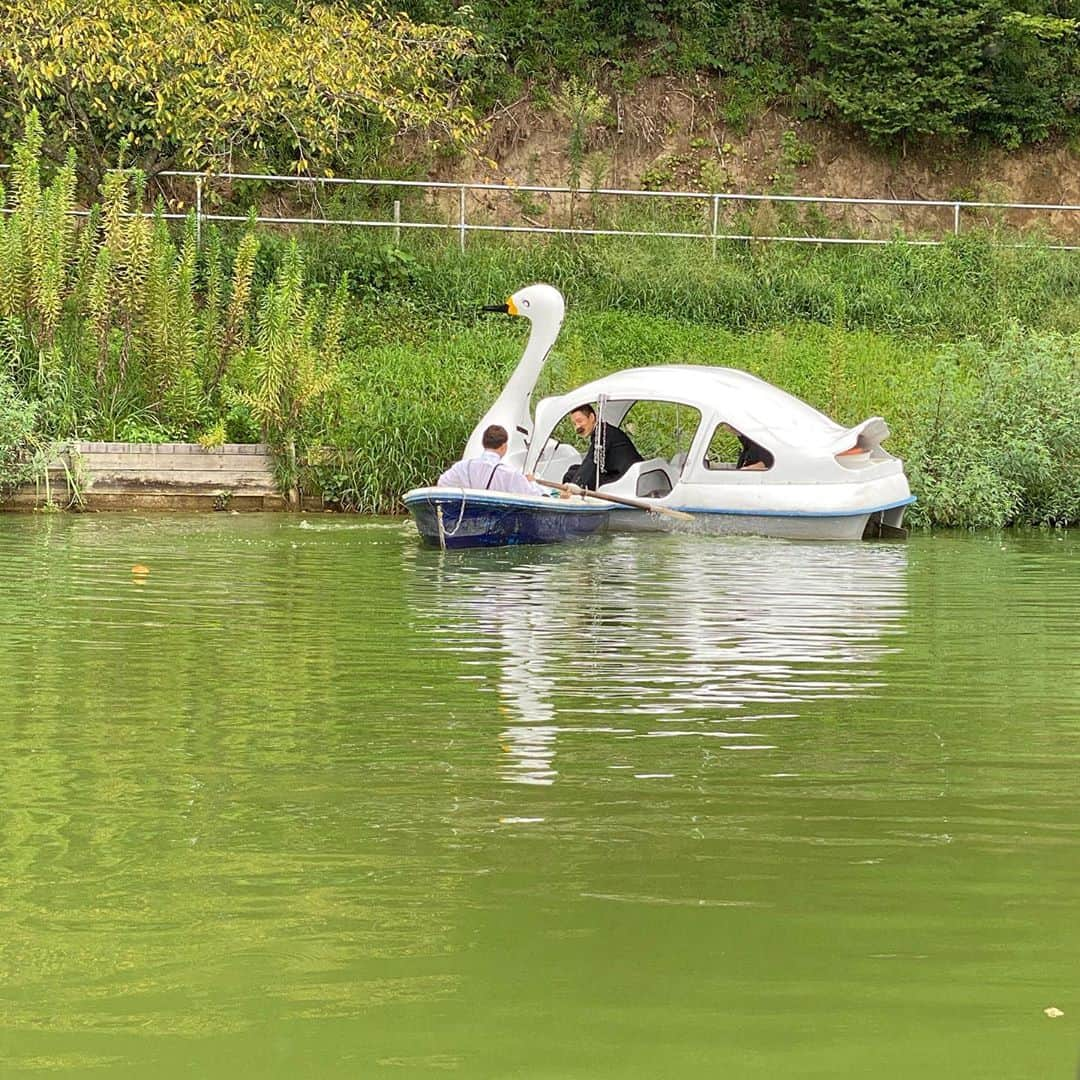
(443, 533)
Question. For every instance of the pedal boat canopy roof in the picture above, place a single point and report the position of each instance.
(769, 416)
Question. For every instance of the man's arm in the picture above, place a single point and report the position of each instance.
(454, 476)
(515, 482)
(586, 476)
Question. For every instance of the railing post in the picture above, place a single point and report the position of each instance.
(397, 222)
(461, 214)
(715, 221)
(956, 219)
(198, 211)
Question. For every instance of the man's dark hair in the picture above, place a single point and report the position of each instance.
(587, 409)
(494, 436)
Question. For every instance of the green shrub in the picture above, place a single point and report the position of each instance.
(998, 436)
(18, 431)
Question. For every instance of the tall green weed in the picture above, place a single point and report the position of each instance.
(129, 327)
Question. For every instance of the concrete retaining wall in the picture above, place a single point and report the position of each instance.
(165, 476)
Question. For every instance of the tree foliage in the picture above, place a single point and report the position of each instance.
(202, 83)
(1005, 69)
(630, 37)
(1034, 68)
(948, 67)
(901, 69)
(319, 86)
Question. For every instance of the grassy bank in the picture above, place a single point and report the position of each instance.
(973, 286)
(370, 361)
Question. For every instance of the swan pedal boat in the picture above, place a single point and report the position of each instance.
(826, 482)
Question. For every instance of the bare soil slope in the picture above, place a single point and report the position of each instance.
(672, 135)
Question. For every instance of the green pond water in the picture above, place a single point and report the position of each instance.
(309, 800)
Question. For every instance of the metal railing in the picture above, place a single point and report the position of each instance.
(711, 232)
(456, 196)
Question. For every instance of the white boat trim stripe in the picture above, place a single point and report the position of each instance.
(800, 513)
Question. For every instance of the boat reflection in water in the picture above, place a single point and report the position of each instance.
(670, 636)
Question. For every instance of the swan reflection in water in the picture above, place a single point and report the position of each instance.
(661, 635)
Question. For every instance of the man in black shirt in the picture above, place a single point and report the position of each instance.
(619, 452)
(752, 455)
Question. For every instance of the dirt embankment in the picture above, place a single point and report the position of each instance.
(674, 135)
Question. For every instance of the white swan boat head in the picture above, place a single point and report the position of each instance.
(812, 478)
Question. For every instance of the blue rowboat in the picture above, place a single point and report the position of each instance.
(460, 518)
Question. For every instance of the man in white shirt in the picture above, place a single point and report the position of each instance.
(487, 472)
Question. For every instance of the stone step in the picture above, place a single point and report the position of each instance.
(111, 475)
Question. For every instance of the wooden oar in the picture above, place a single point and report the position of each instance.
(638, 504)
